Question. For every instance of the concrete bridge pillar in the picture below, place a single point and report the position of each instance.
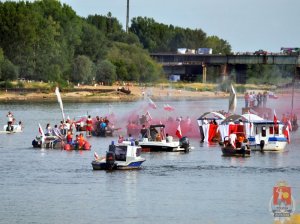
(224, 72)
(204, 69)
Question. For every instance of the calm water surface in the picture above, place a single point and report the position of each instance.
(54, 186)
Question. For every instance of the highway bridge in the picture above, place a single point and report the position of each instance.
(189, 64)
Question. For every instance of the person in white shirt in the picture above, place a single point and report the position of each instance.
(232, 138)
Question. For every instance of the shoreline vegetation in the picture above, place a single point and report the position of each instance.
(39, 92)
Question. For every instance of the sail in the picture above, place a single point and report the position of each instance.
(60, 102)
(232, 100)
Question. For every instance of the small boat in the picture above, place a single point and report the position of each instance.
(123, 156)
(11, 129)
(238, 147)
(163, 143)
(48, 142)
(123, 90)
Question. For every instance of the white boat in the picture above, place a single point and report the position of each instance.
(267, 136)
(163, 143)
(263, 135)
(123, 156)
(15, 128)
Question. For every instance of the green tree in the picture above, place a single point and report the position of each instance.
(105, 72)
(83, 70)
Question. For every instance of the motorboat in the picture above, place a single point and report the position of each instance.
(158, 141)
(263, 135)
(236, 144)
(267, 136)
(122, 156)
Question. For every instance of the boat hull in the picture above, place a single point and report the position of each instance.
(102, 165)
(271, 144)
(239, 152)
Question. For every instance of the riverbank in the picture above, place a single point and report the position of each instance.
(111, 94)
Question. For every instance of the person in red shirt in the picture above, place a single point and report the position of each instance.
(89, 123)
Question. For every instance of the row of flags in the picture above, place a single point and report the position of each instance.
(166, 107)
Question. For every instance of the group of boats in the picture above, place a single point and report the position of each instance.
(237, 135)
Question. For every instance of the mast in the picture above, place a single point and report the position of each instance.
(127, 16)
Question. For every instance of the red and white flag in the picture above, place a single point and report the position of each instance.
(167, 107)
(289, 124)
(96, 156)
(152, 104)
(178, 132)
(275, 119)
(286, 133)
(41, 130)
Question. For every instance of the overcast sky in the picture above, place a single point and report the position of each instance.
(247, 25)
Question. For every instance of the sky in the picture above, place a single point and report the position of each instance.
(247, 25)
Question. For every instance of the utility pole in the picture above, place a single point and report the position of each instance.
(127, 16)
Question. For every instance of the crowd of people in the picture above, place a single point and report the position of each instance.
(256, 100)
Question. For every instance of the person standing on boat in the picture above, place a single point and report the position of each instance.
(89, 123)
(10, 117)
(144, 132)
(232, 139)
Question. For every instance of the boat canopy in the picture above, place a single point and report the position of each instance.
(212, 115)
(244, 117)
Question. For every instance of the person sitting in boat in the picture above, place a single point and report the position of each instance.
(232, 138)
(56, 132)
(89, 123)
(48, 131)
(169, 138)
(69, 137)
(121, 139)
(130, 138)
(144, 131)
(81, 141)
(158, 138)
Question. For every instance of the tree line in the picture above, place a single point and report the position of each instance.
(47, 41)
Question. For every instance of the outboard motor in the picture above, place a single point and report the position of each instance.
(112, 147)
(184, 142)
(110, 160)
(261, 145)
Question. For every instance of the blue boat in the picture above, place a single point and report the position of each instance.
(123, 156)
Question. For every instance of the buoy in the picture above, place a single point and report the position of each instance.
(87, 146)
(67, 147)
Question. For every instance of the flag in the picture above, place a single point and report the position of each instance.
(41, 130)
(275, 119)
(148, 114)
(232, 100)
(286, 133)
(167, 107)
(152, 104)
(60, 102)
(289, 124)
(96, 156)
(178, 132)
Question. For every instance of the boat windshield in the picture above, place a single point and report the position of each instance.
(121, 153)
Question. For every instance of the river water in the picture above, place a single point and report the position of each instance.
(54, 186)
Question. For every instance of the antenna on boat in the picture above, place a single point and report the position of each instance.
(127, 16)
